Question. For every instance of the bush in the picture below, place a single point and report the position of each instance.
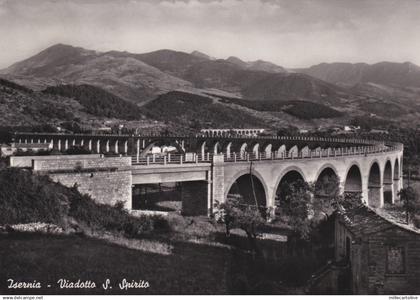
(97, 101)
(26, 198)
(416, 221)
(105, 217)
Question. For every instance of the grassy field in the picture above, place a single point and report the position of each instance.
(190, 269)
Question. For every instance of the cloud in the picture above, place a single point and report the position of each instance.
(291, 33)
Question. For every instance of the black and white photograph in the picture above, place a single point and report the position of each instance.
(209, 147)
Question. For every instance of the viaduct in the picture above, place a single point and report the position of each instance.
(210, 167)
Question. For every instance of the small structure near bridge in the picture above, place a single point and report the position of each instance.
(383, 256)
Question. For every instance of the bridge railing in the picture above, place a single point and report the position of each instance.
(171, 158)
(360, 142)
(194, 158)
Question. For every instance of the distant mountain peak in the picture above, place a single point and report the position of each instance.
(200, 55)
(266, 66)
(237, 61)
(385, 73)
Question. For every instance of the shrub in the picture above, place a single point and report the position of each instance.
(97, 101)
(27, 198)
(112, 218)
(416, 221)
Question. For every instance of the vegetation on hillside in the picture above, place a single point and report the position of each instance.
(301, 109)
(97, 101)
(9, 84)
(197, 112)
(27, 198)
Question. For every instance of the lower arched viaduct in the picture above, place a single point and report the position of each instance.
(210, 168)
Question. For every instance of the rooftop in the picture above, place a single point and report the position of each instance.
(364, 220)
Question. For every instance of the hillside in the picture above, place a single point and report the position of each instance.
(98, 102)
(292, 87)
(141, 77)
(195, 111)
(29, 198)
(98, 86)
(301, 109)
(19, 106)
(65, 106)
(122, 75)
(386, 73)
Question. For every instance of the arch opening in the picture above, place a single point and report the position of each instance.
(388, 184)
(267, 150)
(396, 170)
(291, 182)
(242, 150)
(396, 182)
(353, 184)
(162, 147)
(326, 191)
(250, 190)
(327, 184)
(374, 186)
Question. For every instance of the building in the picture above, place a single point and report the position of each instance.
(303, 131)
(232, 132)
(351, 128)
(383, 256)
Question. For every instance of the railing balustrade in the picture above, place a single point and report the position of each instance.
(196, 158)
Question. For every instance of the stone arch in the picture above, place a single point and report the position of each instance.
(305, 151)
(388, 193)
(227, 149)
(327, 181)
(326, 189)
(242, 183)
(353, 182)
(294, 151)
(397, 178)
(216, 147)
(203, 149)
(256, 150)
(268, 150)
(289, 175)
(396, 169)
(242, 150)
(281, 151)
(161, 143)
(375, 190)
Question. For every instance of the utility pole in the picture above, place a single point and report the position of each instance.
(252, 185)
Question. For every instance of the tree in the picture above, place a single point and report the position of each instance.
(235, 214)
(304, 205)
(326, 196)
(295, 206)
(410, 198)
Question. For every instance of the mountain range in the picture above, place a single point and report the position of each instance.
(387, 73)
(141, 77)
(148, 80)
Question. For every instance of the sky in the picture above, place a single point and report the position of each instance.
(291, 33)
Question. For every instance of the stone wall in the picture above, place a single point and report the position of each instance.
(70, 163)
(393, 262)
(106, 179)
(26, 161)
(106, 187)
(385, 258)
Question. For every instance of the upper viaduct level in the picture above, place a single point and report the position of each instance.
(210, 168)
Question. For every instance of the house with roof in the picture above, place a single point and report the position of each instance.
(381, 255)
